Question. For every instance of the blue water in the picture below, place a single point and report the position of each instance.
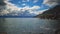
(28, 25)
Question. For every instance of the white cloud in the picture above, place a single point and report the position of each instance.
(11, 7)
(25, 0)
(38, 12)
(28, 0)
(51, 2)
(35, 7)
(35, 1)
(23, 4)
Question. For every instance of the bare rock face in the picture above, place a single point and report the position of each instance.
(53, 13)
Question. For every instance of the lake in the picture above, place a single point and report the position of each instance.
(28, 25)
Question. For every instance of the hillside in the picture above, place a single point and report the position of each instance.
(53, 13)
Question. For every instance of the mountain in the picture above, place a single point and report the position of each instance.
(52, 13)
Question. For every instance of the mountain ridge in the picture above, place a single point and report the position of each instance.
(53, 13)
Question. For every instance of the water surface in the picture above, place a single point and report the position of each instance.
(28, 25)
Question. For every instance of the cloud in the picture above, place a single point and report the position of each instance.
(2, 2)
(31, 8)
(23, 4)
(38, 12)
(9, 7)
(35, 1)
(51, 2)
(2, 5)
(25, 0)
(3, 12)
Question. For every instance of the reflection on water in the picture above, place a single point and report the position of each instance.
(28, 25)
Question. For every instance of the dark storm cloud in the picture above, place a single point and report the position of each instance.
(2, 2)
(2, 6)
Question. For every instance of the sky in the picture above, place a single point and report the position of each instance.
(22, 3)
(20, 6)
